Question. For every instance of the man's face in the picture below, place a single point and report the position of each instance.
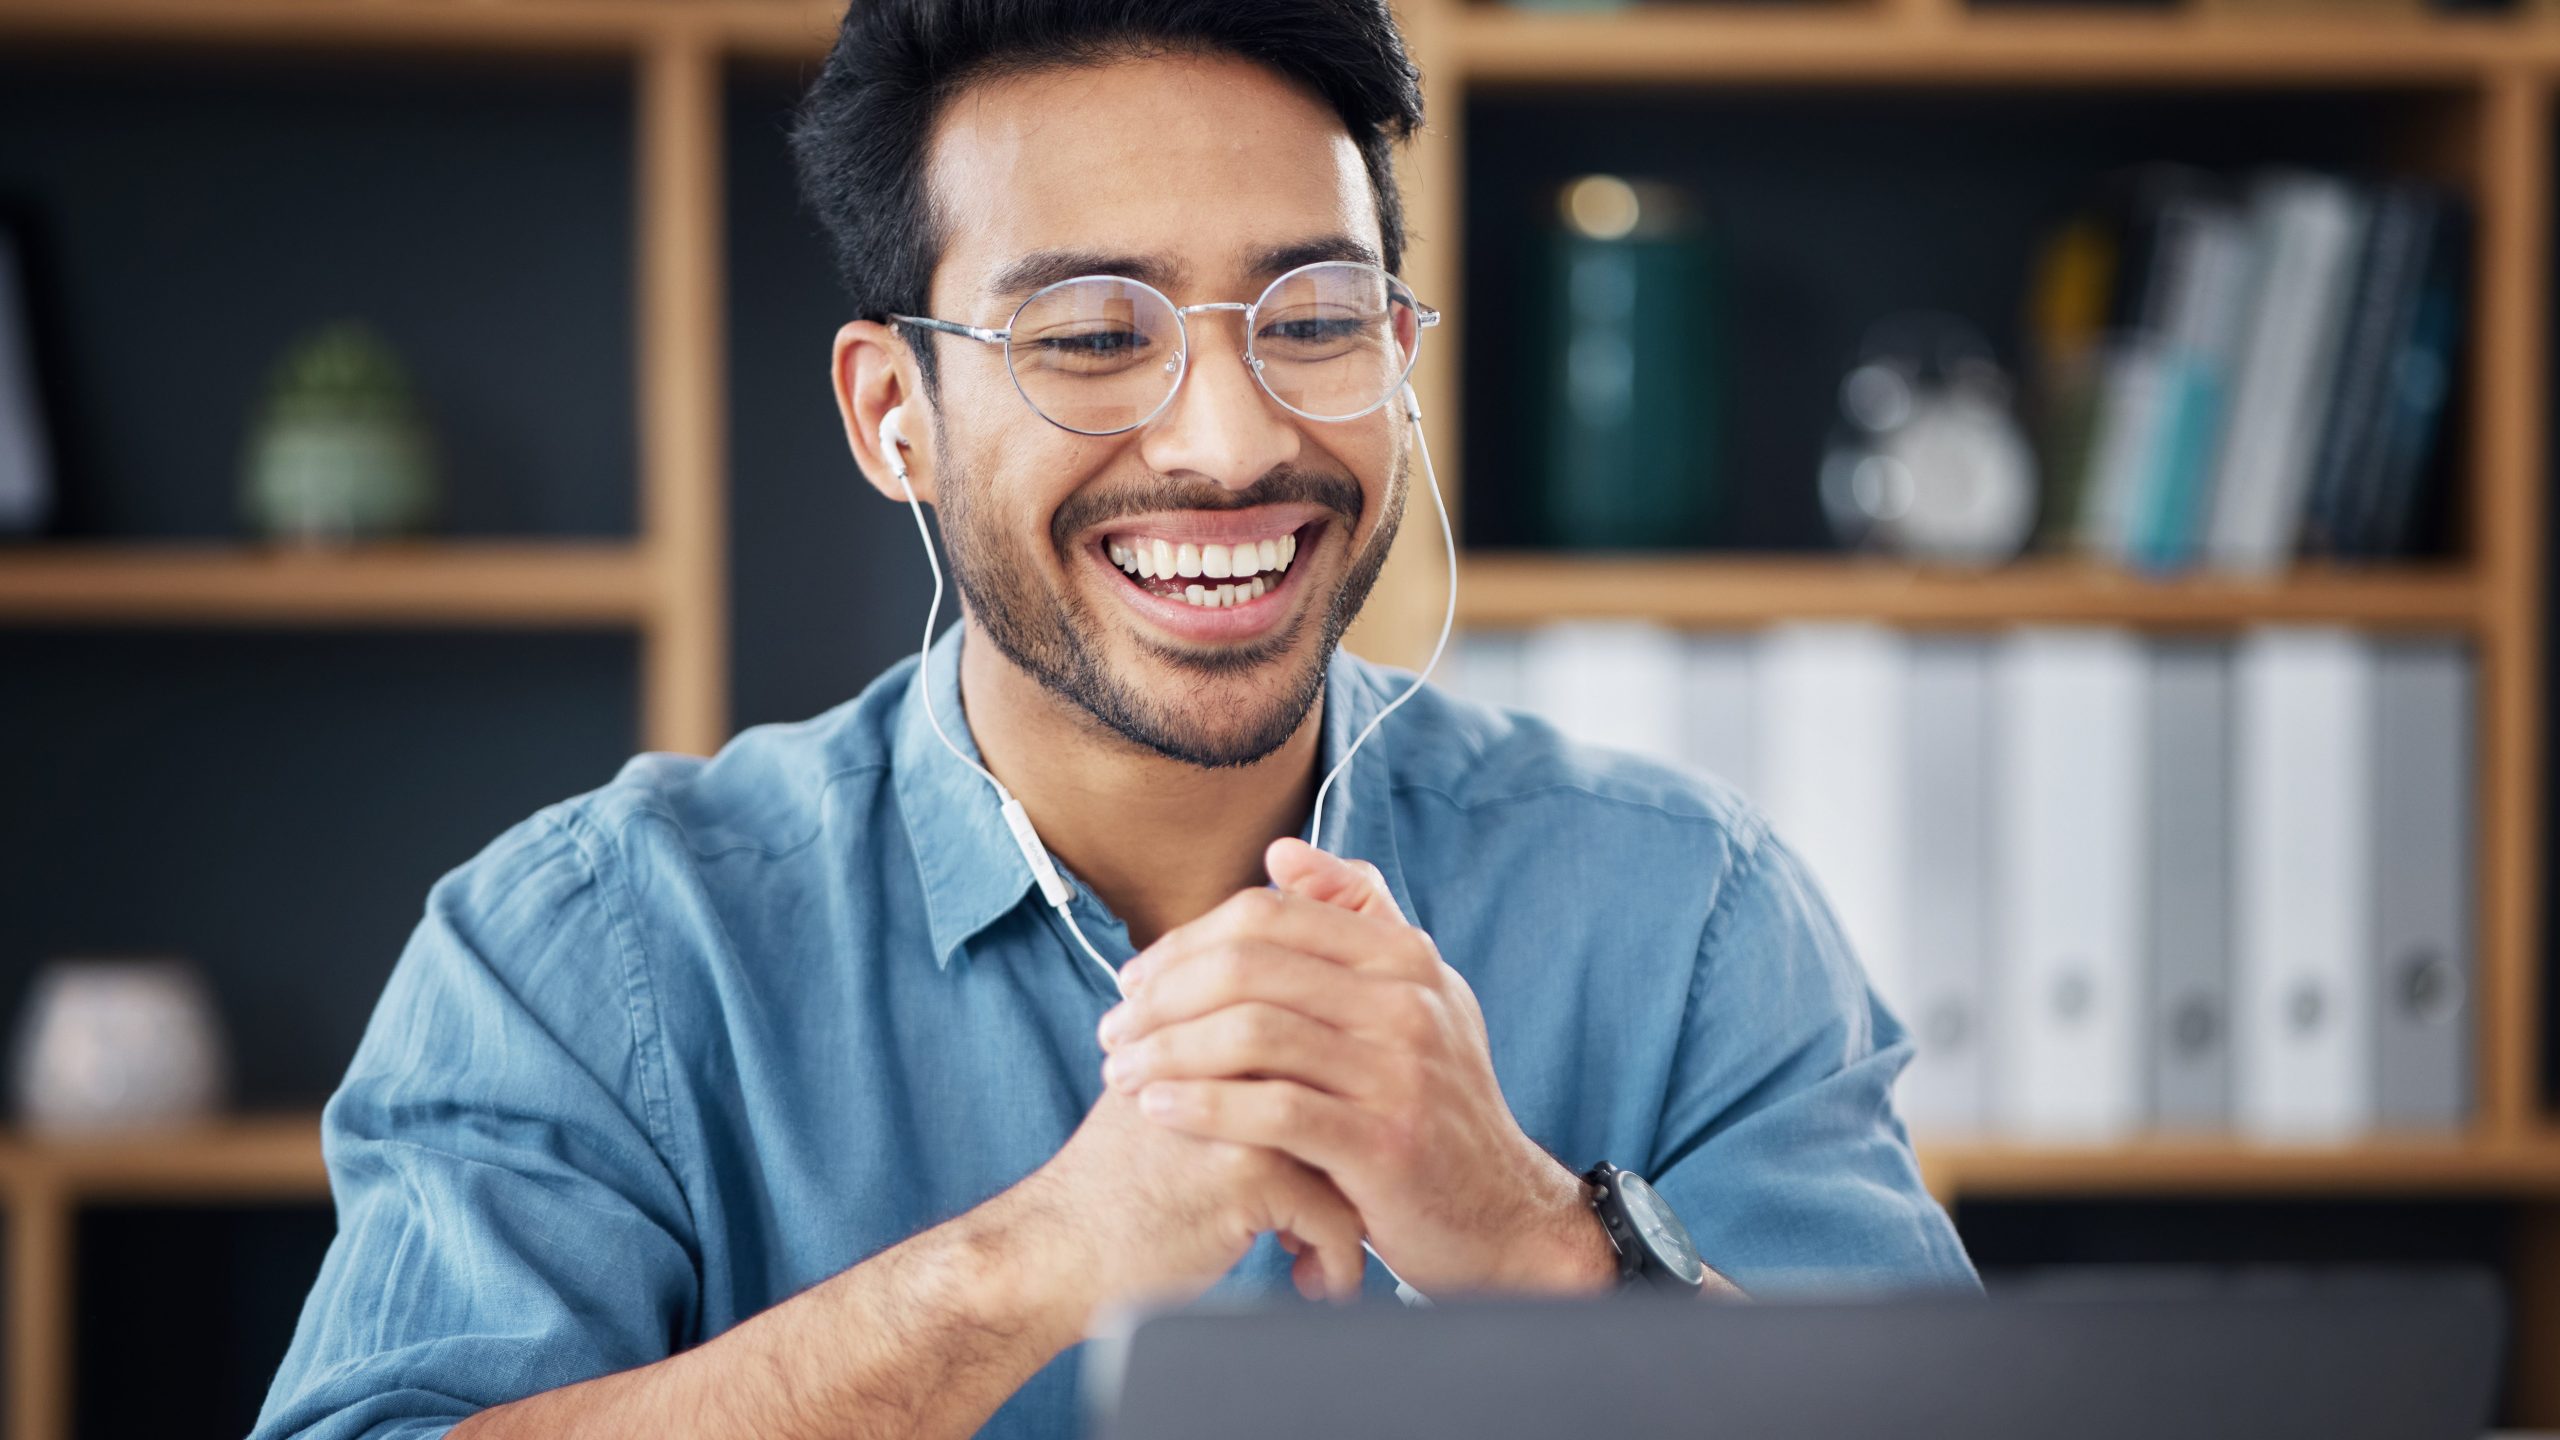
(1206, 177)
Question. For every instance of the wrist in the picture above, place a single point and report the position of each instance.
(1566, 1249)
(1018, 1260)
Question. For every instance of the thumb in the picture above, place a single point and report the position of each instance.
(1301, 869)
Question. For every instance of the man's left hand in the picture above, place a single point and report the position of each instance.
(1314, 1019)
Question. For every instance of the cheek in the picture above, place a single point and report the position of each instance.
(1369, 458)
(1019, 475)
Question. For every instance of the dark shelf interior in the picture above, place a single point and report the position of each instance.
(276, 806)
(209, 1294)
(827, 584)
(194, 215)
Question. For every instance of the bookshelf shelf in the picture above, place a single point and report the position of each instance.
(244, 1157)
(1813, 44)
(447, 584)
(277, 1157)
(1500, 588)
(2224, 1168)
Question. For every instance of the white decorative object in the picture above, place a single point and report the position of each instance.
(107, 1044)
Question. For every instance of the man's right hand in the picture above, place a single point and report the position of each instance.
(929, 1336)
(1158, 1215)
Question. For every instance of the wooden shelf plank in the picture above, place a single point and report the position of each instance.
(242, 1157)
(278, 1156)
(593, 26)
(1671, 45)
(2414, 1165)
(1905, 41)
(775, 28)
(558, 584)
(1510, 588)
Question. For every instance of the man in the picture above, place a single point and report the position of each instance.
(763, 1096)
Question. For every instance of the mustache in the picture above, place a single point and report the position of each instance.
(1287, 485)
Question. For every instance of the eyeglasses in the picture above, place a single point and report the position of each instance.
(1101, 354)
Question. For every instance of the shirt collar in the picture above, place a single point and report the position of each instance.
(971, 872)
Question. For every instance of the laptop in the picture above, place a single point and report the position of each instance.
(2412, 1356)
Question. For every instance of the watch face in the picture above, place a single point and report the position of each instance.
(1662, 1232)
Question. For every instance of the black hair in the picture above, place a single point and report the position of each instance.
(858, 136)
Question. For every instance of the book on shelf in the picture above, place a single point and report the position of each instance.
(26, 448)
(2112, 884)
(2236, 372)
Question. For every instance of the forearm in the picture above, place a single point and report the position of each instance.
(925, 1338)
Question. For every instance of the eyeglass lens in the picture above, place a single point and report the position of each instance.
(1099, 355)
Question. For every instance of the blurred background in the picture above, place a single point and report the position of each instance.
(2080, 466)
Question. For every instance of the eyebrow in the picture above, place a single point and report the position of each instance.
(1048, 267)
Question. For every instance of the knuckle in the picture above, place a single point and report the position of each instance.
(1220, 975)
(1250, 904)
(1290, 1107)
(1231, 1164)
(1419, 955)
(1412, 1017)
(1260, 1028)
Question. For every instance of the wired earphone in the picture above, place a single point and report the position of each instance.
(1053, 886)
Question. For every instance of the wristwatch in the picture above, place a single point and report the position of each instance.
(1653, 1246)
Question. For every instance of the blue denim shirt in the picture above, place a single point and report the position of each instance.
(668, 1052)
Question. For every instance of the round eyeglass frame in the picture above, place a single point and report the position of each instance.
(1424, 318)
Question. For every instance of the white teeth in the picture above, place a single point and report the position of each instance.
(1257, 561)
(1226, 594)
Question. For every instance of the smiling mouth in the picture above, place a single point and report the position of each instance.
(1211, 577)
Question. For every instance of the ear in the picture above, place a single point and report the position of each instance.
(872, 374)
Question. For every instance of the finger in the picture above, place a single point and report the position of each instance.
(1252, 1039)
(1309, 1207)
(1302, 869)
(1253, 970)
(1325, 1131)
(1371, 943)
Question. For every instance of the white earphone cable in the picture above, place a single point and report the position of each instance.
(1053, 887)
(1448, 619)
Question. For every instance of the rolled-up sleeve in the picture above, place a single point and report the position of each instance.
(507, 1220)
(1779, 1147)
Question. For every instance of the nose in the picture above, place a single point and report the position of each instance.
(1221, 425)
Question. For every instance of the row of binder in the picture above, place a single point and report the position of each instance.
(2112, 883)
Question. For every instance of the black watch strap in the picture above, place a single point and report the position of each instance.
(1641, 1240)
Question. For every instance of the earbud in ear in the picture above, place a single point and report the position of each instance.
(893, 440)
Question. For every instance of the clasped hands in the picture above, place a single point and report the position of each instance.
(1313, 1019)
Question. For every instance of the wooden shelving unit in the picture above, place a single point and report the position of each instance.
(2489, 84)
(2526, 1168)
(421, 584)
(1507, 589)
(669, 583)
(278, 1157)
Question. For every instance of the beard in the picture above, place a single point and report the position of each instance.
(1055, 638)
